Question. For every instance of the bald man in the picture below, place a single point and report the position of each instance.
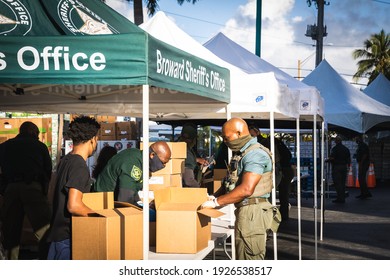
(249, 190)
(123, 172)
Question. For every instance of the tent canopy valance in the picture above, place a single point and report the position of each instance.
(51, 63)
(253, 96)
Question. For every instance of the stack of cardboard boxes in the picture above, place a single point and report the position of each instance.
(171, 175)
(9, 128)
(118, 131)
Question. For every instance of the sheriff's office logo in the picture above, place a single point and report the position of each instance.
(15, 19)
(305, 105)
(79, 19)
(136, 173)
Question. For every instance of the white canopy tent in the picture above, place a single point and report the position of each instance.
(346, 106)
(311, 104)
(254, 96)
(379, 89)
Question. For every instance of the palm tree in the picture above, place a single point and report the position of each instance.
(152, 6)
(376, 57)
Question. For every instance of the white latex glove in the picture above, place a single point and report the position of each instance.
(210, 197)
(210, 204)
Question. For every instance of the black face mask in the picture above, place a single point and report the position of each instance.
(155, 164)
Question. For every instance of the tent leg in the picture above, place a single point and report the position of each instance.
(145, 168)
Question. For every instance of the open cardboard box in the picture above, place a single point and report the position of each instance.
(114, 232)
(182, 227)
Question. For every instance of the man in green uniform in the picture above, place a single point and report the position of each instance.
(249, 189)
(123, 172)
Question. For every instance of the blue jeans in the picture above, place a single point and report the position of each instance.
(59, 250)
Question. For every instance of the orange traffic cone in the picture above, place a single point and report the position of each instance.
(357, 183)
(350, 182)
(371, 181)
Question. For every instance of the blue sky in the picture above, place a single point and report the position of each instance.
(349, 23)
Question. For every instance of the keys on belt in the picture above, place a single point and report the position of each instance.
(250, 200)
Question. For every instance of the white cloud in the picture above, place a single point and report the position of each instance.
(297, 19)
(283, 43)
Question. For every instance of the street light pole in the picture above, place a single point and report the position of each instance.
(258, 27)
(320, 35)
(318, 32)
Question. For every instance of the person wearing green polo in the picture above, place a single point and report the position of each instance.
(123, 172)
(248, 187)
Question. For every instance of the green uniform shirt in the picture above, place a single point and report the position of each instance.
(124, 170)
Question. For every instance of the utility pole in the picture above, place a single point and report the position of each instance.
(258, 27)
(318, 32)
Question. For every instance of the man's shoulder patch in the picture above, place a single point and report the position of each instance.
(136, 173)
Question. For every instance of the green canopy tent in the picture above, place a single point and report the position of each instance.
(80, 56)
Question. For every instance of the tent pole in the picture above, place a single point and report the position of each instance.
(315, 184)
(298, 155)
(59, 137)
(322, 178)
(145, 168)
(231, 206)
(272, 135)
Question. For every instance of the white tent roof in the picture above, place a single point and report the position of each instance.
(311, 102)
(252, 95)
(346, 106)
(379, 89)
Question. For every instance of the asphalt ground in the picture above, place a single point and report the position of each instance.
(356, 230)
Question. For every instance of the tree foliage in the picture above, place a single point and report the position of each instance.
(152, 6)
(375, 57)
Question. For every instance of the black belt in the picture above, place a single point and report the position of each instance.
(250, 200)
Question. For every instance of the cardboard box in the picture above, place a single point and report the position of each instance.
(174, 166)
(131, 233)
(134, 130)
(107, 137)
(216, 185)
(219, 174)
(123, 137)
(99, 200)
(181, 226)
(178, 149)
(97, 237)
(123, 128)
(107, 119)
(107, 129)
(165, 180)
(115, 233)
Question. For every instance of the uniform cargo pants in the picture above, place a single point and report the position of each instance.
(252, 222)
